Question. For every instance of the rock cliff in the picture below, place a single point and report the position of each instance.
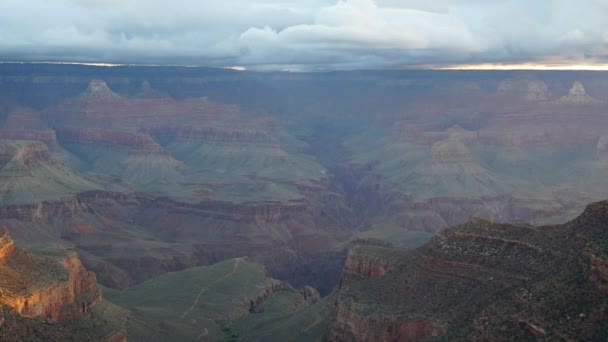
(53, 286)
(7, 246)
(487, 281)
(368, 262)
(48, 296)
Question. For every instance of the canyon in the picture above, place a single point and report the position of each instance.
(479, 281)
(333, 187)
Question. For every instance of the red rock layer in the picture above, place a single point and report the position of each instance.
(54, 287)
(367, 262)
(380, 328)
(65, 300)
(7, 247)
(597, 271)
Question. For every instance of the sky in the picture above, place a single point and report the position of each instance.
(307, 35)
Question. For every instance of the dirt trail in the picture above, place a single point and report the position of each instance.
(196, 300)
(203, 334)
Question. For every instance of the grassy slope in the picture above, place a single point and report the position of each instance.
(279, 321)
(193, 303)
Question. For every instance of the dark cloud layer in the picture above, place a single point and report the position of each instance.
(304, 35)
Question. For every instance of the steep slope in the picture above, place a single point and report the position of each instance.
(55, 286)
(486, 281)
(162, 185)
(192, 166)
(197, 303)
(30, 175)
(212, 151)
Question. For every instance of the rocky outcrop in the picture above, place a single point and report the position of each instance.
(578, 96)
(310, 295)
(98, 90)
(597, 270)
(368, 262)
(24, 153)
(268, 291)
(351, 325)
(56, 286)
(487, 281)
(7, 246)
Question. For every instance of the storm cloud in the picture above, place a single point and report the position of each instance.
(305, 35)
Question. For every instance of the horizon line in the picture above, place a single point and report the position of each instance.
(528, 66)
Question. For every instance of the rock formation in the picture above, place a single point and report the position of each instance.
(487, 281)
(7, 246)
(578, 96)
(53, 286)
(290, 172)
(368, 262)
(537, 92)
(98, 90)
(50, 296)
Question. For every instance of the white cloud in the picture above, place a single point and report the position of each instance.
(314, 34)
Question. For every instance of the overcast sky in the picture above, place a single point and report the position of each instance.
(305, 34)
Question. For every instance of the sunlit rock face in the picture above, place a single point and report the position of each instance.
(53, 286)
(7, 247)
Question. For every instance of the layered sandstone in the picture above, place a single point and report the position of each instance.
(23, 153)
(7, 247)
(368, 262)
(350, 326)
(53, 286)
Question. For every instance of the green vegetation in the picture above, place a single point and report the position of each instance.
(229, 335)
(192, 303)
(280, 320)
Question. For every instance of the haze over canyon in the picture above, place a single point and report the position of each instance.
(201, 204)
